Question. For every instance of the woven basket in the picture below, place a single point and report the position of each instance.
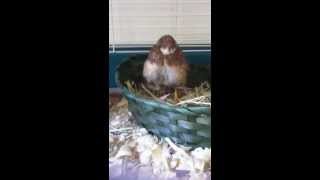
(185, 125)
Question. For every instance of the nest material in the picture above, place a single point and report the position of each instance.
(129, 143)
(200, 95)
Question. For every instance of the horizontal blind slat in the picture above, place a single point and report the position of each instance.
(144, 21)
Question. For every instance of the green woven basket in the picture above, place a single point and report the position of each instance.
(185, 125)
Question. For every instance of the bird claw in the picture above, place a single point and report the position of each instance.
(164, 96)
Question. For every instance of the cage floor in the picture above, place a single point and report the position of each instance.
(132, 169)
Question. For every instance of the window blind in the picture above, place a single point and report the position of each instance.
(143, 22)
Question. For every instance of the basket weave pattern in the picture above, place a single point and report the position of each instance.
(182, 125)
(189, 126)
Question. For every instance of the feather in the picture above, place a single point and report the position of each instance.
(166, 65)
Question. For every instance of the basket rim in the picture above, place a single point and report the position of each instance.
(126, 92)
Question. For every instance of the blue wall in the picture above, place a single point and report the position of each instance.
(115, 59)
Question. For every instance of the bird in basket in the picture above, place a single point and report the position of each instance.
(165, 66)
